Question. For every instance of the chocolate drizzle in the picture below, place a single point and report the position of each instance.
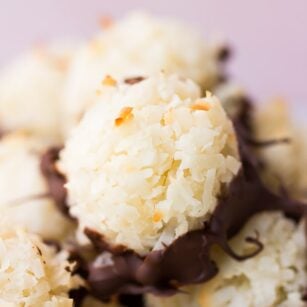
(267, 143)
(187, 260)
(55, 180)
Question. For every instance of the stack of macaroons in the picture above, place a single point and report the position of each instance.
(123, 136)
(38, 88)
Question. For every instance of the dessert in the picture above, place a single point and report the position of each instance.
(149, 150)
(24, 194)
(133, 173)
(272, 121)
(31, 90)
(139, 45)
(154, 158)
(32, 273)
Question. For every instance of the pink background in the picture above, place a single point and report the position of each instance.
(269, 36)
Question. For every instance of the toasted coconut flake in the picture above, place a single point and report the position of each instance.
(124, 115)
(109, 81)
(157, 217)
(201, 106)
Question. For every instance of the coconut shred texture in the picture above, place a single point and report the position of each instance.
(139, 44)
(148, 162)
(32, 273)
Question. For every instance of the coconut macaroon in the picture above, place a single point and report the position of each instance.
(273, 122)
(23, 190)
(138, 45)
(154, 158)
(275, 277)
(32, 273)
(31, 89)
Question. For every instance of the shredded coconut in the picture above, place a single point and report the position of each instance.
(32, 274)
(158, 174)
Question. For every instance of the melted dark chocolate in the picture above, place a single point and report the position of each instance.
(187, 260)
(101, 244)
(268, 143)
(78, 296)
(131, 300)
(55, 180)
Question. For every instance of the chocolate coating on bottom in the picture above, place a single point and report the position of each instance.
(187, 260)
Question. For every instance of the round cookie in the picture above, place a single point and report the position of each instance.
(24, 195)
(148, 161)
(139, 45)
(31, 90)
